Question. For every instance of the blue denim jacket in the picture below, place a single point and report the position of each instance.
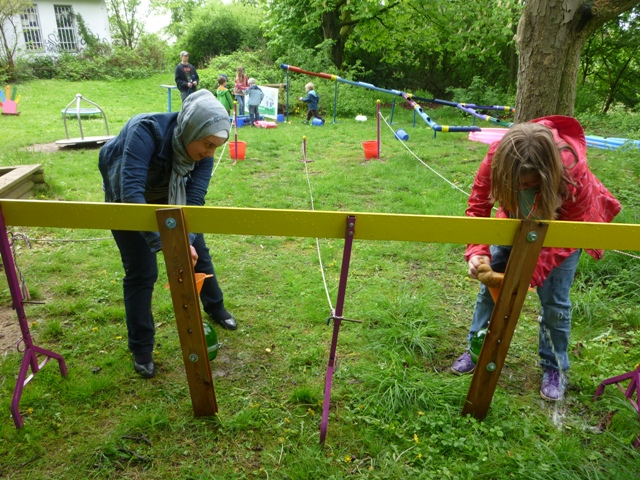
(136, 166)
(311, 100)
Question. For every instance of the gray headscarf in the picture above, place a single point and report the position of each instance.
(201, 115)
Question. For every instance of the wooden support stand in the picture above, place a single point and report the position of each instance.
(522, 262)
(186, 304)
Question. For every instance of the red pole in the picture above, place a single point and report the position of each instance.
(235, 130)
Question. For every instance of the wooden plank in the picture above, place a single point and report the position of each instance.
(186, 305)
(16, 176)
(24, 190)
(304, 223)
(522, 262)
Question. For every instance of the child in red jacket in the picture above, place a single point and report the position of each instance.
(538, 171)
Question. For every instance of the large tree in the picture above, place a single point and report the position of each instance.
(551, 34)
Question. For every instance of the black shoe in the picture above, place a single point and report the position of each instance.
(225, 320)
(145, 370)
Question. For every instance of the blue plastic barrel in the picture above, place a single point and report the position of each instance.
(402, 135)
(317, 122)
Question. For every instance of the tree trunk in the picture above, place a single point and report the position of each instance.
(551, 34)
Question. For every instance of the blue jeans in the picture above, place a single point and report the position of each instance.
(141, 272)
(555, 308)
(254, 114)
(240, 100)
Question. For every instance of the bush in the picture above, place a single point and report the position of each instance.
(481, 93)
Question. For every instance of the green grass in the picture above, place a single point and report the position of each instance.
(395, 408)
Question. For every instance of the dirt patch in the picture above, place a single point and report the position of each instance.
(10, 333)
(54, 147)
(42, 148)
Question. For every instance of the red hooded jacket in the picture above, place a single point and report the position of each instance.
(588, 200)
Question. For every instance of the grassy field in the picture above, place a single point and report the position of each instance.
(396, 409)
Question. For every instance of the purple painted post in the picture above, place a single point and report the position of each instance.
(634, 387)
(337, 321)
(30, 350)
(378, 125)
(304, 149)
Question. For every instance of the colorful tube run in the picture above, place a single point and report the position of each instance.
(407, 97)
(490, 135)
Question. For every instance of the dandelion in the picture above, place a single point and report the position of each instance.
(94, 329)
(420, 413)
(419, 455)
(347, 458)
(415, 438)
(119, 337)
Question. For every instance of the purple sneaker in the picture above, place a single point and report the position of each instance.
(464, 364)
(553, 385)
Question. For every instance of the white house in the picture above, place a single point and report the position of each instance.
(50, 26)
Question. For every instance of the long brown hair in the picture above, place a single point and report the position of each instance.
(525, 149)
(240, 75)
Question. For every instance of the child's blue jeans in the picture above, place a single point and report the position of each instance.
(254, 114)
(555, 308)
(240, 100)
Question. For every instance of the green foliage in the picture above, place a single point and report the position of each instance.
(481, 93)
(218, 29)
(99, 61)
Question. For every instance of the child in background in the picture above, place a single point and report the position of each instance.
(312, 99)
(224, 95)
(254, 96)
(537, 171)
(239, 89)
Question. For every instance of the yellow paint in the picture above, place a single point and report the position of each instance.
(321, 224)
(445, 128)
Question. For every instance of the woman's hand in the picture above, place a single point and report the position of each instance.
(475, 262)
(194, 255)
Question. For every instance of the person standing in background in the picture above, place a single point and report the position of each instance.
(242, 83)
(254, 98)
(186, 76)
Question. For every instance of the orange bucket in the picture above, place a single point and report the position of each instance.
(370, 148)
(242, 148)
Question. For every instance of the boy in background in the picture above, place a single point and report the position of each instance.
(254, 97)
(312, 99)
(223, 94)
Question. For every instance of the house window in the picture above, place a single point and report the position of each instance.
(66, 24)
(31, 28)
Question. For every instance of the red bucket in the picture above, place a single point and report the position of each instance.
(370, 149)
(242, 148)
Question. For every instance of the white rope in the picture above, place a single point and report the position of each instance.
(224, 149)
(324, 278)
(421, 161)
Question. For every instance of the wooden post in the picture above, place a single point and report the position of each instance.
(186, 305)
(522, 262)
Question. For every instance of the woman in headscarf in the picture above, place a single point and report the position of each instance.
(163, 158)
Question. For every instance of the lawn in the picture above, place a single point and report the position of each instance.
(396, 409)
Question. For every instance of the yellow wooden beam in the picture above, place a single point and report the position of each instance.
(321, 224)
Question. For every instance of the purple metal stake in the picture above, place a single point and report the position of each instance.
(30, 350)
(378, 122)
(337, 321)
(634, 387)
